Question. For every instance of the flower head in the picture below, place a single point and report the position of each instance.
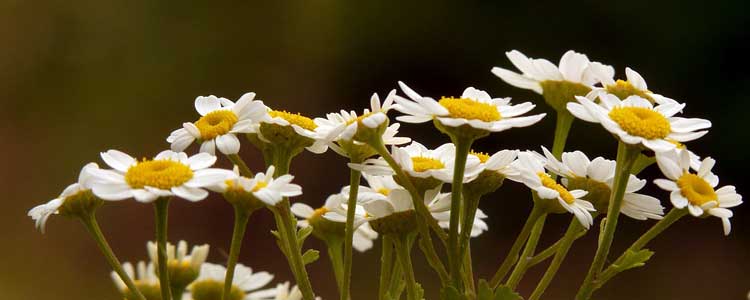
(183, 268)
(495, 168)
(696, 188)
(635, 121)
(145, 280)
(531, 173)
(168, 174)
(245, 284)
(221, 120)
(596, 177)
(281, 128)
(575, 76)
(263, 187)
(74, 200)
(634, 85)
(475, 109)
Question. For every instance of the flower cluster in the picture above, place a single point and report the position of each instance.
(413, 193)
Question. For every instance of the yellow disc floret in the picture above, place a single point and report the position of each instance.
(550, 183)
(483, 157)
(210, 289)
(161, 173)
(216, 123)
(260, 185)
(470, 109)
(359, 119)
(318, 213)
(641, 121)
(296, 119)
(384, 191)
(696, 189)
(421, 163)
(623, 89)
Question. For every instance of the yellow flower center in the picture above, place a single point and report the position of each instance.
(216, 123)
(318, 213)
(384, 191)
(641, 121)
(696, 189)
(470, 109)
(623, 89)
(422, 164)
(483, 157)
(149, 290)
(548, 182)
(296, 119)
(210, 289)
(359, 119)
(162, 173)
(258, 186)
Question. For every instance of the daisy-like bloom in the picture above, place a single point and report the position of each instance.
(575, 75)
(636, 120)
(183, 267)
(531, 173)
(474, 108)
(697, 190)
(422, 163)
(695, 160)
(263, 186)
(76, 196)
(395, 213)
(378, 187)
(221, 120)
(596, 177)
(334, 224)
(146, 281)
(444, 217)
(635, 85)
(283, 127)
(168, 174)
(345, 125)
(495, 169)
(246, 285)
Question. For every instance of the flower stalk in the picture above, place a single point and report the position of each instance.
(241, 218)
(161, 206)
(510, 259)
(354, 179)
(463, 146)
(528, 253)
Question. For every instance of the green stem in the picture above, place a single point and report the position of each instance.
(562, 128)
(241, 218)
(161, 206)
(404, 257)
(626, 156)
(92, 226)
(354, 179)
(336, 256)
(386, 261)
(669, 219)
(468, 274)
(512, 256)
(454, 257)
(470, 212)
(528, 253)
(237, 161)
(418, 200)
(566, 242)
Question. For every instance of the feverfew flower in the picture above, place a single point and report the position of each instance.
(575, 76)
(168, 174)
(495, 169)
(531, 168)
(183, 268)
(246, 285)
(221, 120)
(329, 221)
(263, 186)
(74, 197)
(284, 291)
(280, 127)
(345, 125)
(635, 120)
(635, 85)
(474, 108)
(596, 177)
(697, 191)
(145, 280)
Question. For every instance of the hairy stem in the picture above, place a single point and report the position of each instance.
(241, 218)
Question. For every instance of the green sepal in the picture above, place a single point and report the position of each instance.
(310, 256)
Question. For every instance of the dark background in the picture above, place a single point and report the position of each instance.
(79, 77)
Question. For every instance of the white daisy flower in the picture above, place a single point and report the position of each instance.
(344, 125)
(444, 216)
(144, 277)
(246, 285)
(419, 162)
(399, 200)
(637, 121)
(541, 76)
(697, 191)
(263, 186)
(378, 187)
(284, 291)
(74, 192)
(301, 125)
(499, 163)
(183, 267)
(168, 174)
(335, 210)
(474, 108)
(596, 177)
(695, 160)
(531, 169)
(634, 85)
(221, 120)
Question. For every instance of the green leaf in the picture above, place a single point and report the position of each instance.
(485, 291)
(450, 293)
(303, 233)
(505, 293)
(276, 234)
(420, 291)
(634, 259)
(310, 256)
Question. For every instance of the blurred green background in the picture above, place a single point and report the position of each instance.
(79, 77)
